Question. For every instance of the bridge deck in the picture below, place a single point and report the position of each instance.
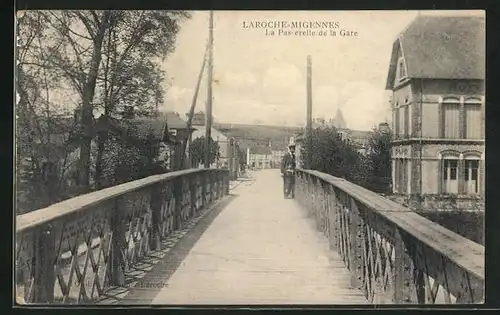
(261, 249)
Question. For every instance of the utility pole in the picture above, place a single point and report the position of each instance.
(309, 115)
(208, 111)
(187, 140)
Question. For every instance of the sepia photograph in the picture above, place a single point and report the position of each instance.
(249, 158)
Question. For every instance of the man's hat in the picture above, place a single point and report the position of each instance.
(291, 143)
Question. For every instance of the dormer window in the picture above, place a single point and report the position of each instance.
(401, 69)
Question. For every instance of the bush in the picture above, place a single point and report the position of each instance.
(340, 158)
(332, 155)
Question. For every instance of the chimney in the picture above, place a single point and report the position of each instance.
(128, 112)
(384, 127)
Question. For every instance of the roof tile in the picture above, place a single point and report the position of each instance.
(442, 47)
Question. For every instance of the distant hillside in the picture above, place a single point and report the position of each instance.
(258, 135)
(250, 136)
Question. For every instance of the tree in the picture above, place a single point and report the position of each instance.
(104, 60)
(340, 158)
(379, 157)
(334, 156)
(197, 151)
(43, 135)
(107, 58)
(130, 75)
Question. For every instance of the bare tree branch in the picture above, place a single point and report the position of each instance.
(88, 26)
(64, 24)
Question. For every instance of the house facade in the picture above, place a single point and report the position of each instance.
(260, 157)
(225, 146)
(436, 76)
(276, 157)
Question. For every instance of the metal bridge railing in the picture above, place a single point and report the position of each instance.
(75, 250)
(394, 255)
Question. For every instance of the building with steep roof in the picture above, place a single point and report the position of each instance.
(167, 131)
(436, 75)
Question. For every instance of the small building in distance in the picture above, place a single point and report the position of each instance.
(259, 157)
(225, 146)
(436, 75)
(276, 157)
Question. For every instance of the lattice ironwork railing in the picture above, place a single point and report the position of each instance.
(74, 251)
(394, 255)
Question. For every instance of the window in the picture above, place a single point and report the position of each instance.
(451, 120)
(450, 176)
(401, 69)
(471, 176)
(403, 176)
(396, 111)
(400, 176)
(407, 121)
(473, 121)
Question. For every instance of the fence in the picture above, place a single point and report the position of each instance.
(75, 250)
(393, 254)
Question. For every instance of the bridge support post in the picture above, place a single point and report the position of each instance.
(225, 179)
(156, 208)
(357, 246)
(324, 210)
(193, 187)
(404, 282)
(333, 221)
(43, 266)
(116, 263)
(218, 186)
(203, 183)
(178, 187)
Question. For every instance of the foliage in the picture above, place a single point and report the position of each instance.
(125, 162)
(198, 148)
(93, 61)
(340, 158)
(379, 162)
(334, 156)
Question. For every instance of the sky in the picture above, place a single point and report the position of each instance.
(261, 78)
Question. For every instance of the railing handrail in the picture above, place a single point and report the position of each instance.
(462, 251)
(38, 217)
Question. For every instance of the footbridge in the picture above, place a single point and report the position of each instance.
(195, 237)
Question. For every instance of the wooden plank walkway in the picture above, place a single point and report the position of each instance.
(260, 249)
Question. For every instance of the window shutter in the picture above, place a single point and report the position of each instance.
(451, 120)
(473, 121)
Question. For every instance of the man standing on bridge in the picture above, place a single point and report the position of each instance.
(288, 169)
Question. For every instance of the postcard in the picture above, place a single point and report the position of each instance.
(249, 158)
